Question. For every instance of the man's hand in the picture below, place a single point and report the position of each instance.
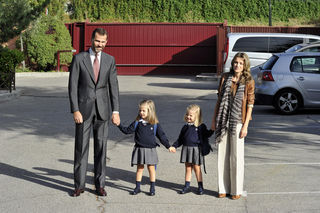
(116, 119)
(77, 117)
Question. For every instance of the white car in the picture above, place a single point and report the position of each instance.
(260, 46)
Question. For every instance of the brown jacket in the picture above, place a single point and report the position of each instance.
(248, 97)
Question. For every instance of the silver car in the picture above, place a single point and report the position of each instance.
(305, 47)
(289, 81)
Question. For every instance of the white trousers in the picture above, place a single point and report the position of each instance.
(231, 163)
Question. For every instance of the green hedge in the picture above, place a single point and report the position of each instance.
(9, 59)
(234, 11)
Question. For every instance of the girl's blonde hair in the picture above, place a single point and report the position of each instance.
(152, 116)
(195, 108)
(246, 73)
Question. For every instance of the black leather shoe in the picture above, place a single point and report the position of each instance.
(77, 192)
(101, 192)
(185, 190)
(135, 191)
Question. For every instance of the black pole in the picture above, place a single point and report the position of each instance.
(270, 22)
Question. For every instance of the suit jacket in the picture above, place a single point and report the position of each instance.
(84, 92)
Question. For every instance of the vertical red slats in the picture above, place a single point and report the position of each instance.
(155, 48)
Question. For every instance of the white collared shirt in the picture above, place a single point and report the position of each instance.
(143, 121)
(93, 56)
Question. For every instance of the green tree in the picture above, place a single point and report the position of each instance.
(44, 39)
(16, 15)
(54, 7)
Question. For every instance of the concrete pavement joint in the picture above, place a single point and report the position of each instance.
(277, 143)
(102, 202)
(283, 127)
(283, 193)
(318, 122)
(279, 163)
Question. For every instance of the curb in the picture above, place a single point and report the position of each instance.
(207, 77)
(42, 74)
(7, 95)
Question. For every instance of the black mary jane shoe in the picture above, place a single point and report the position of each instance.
(136, 191)
(200, 191)
(152, 193)
(185, 190)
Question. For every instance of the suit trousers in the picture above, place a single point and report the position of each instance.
(100, 135)
(231, 163)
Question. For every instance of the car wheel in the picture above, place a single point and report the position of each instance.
(287, 102)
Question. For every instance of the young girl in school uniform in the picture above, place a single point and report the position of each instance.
(192, 136)
(146, 128)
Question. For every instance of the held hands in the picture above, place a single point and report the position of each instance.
(116, 119)
(77, 117)
(172, 149)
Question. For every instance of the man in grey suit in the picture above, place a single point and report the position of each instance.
(93, 94)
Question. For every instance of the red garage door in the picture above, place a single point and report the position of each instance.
(155, 48)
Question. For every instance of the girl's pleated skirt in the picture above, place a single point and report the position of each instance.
(141, 155)
(191, 154)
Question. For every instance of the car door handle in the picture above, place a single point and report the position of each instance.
(300, 78)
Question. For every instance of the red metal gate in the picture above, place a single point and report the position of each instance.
(156, 48)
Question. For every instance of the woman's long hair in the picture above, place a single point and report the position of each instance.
(246, 73)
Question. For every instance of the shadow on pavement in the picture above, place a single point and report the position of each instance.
(117, 174)
(41, 179)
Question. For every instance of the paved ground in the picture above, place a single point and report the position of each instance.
(36, 153)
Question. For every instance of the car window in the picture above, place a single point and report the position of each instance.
(296, 65)
(309, 64)
(270, 62)
(251, 44)
(311, 49)
(280, 44)
(313, 40)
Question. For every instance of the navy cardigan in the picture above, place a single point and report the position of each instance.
(144, 134)
(188, 137)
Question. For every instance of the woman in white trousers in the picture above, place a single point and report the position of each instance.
(230, 121)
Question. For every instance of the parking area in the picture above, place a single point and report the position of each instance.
(282, 153)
